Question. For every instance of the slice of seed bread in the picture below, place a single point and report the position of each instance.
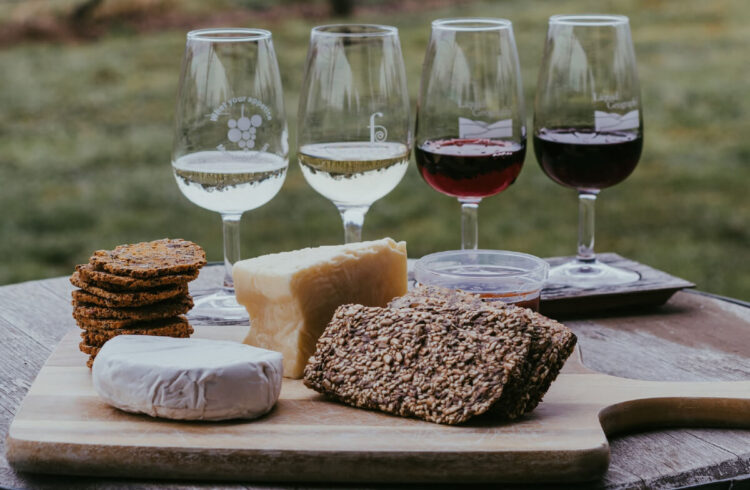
(441, 366)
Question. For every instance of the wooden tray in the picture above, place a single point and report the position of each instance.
(63, 427)
(654, 288)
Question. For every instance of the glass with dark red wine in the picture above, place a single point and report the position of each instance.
(588, 126)
(471, 126)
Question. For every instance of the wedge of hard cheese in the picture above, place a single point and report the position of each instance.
(291, 296)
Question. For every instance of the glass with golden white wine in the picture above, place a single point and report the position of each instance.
(354, 136)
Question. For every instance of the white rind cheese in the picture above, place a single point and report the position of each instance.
(187, 379)
(291, 296)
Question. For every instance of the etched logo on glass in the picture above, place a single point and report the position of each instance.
(242, 131)
(612, 121)
(377, 132)
(243, 125)
(469, 128)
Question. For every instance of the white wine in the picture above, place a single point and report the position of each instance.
(230, 182)
(354, 173)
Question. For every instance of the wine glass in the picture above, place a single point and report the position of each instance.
(353, 129)
(230, 151)
(471, 125)
(588, 129)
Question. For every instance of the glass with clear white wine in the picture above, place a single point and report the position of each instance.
(588, 126)
(353, 135)
(230, 152)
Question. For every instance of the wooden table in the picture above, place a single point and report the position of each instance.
(694, 337)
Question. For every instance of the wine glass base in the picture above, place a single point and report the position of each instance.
(587, 275)
(218, 308)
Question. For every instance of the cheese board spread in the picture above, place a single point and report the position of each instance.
(483, 371)
(64, 427)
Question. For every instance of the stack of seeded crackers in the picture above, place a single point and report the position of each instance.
(440, 355)
(140, 288)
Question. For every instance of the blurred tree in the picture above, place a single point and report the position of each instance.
(84, 11)
(342, 8)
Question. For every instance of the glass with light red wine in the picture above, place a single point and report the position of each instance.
(471, 126)
(588, 126)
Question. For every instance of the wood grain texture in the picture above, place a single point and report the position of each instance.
(681, 321)
(654, 288)
(63, 427)
(688, 339)
(677, 451)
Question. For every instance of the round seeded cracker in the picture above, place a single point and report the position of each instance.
(169, 327)
(129, 298)
(163, 309)
(111, 281)
(132, 299)
(150, 259)
(91, 350)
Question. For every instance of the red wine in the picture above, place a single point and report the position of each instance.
(586, 159)
(470, 167)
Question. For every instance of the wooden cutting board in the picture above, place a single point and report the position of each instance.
(63, 427)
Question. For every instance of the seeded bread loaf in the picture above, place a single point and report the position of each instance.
(551, 345)
(440, 366)
(436, 297)
(440, 355)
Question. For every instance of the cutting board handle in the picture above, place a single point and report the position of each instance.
(632, 405)
(653, 413)
(658, 404)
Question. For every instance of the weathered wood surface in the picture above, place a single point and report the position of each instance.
(693, 337)
(654, 287)
(63, 427)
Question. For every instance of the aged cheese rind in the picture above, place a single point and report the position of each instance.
(291, 296)
(187, 379)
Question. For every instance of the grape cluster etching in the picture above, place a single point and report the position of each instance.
(242, 131)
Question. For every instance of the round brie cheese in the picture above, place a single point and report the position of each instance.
(187, 379)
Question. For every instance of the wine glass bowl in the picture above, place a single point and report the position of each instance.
(230, 150)
(588, 126)
(354, 136)
(471, 128)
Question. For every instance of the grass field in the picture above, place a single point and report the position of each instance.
(86, 132)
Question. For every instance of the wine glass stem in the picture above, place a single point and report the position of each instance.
(469, 224)
(354, 218)
(231, 226)
(586, 202)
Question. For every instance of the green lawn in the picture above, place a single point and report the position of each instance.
(86, 130)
